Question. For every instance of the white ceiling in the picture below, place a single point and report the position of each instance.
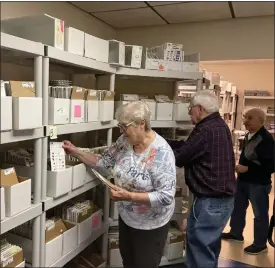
(130, 13)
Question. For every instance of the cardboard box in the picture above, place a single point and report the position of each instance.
(74, 41)
(174, 245)
(89, 175)
(113, 210)
(92, 260)
(180, 112)
(14, 261)
(59, 111)
(92, 106)
(69, 237)
(106, 106)
(133, 56)
(17, 192)
(115, 259)
(116, 53)
(155, 64)
(6, 113)
(178, 200)
(3, 208)
(39, 28)
(78, 174)
(96, 48)
(164, 111)
(77, 109)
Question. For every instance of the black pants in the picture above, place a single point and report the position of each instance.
(141, 248)
(258, 197)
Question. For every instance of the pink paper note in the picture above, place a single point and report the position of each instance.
(77, 111)
(95, 221)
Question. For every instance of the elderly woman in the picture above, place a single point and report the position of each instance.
(143, 165)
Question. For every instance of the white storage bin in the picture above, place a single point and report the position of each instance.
(97, 220)
(74, 41)
(79, 174)
(115, 259)
(174, 245)
(164, 111)
(84, 230)
(6, 113)
(77, 111)
(152, 106)
(96, 48)
(92, 110)
(180, 112)
(27, 112)
(173, 66)
(59, 111)
(39, 28)
(69, 238)
(133, 56)
(53, 251)
(113, 210)
(59, 182)
(106, 110)
(3, 208)
(116, 53)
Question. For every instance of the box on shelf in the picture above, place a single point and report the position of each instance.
(133, 56)
(164, 108)
(174, 245)
(106, 105)
(178, 200)
(96, 219)
(173, 66)
(116, 53)
(113, 210)
(3, 208)
(74, 41)
(216, 78)
(69, 237)
(180, 112)
(79, 174)
(96, 48)
(115, 259)
(124, 99)
(15, 259)
(6, 113)
(22, 264)
(93, 260)
(152, 62)
(17, 192)
(39, 28)
(84, 229)
(59, 111)
(89, 175)
(92, 106)
(191, 63)
(77, 109)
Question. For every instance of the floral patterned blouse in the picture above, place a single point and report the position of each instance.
(152, 171)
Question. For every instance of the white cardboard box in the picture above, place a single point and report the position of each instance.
(39, 28)
(6, 113)
(79, 176)
(69, 238)
(96, 48)
(174, 246)
(113, 210)
(59, 182)
(97, 220)
(174, 66)
(84, 230)
(53, 250)
(115, 259)
(74, 41)
(106, 110)
(116, 53)
(18, 197)
(77, 111)
(92, 111)
(27, 112)
(180, 112)
(133, 56)
(59, 111)
(164, 111)
(89, 175)
(3, 208)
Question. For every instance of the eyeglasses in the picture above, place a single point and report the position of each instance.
(124, 127)
(191, 107)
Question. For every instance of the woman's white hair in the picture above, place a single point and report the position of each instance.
(135, 111)
(207, 99)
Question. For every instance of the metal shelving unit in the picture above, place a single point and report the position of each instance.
(45, 58)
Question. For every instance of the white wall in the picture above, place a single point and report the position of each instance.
(250, 38)
(62, 10)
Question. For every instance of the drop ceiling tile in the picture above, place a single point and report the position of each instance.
(163, 3)
(130, 18)
(194, 11)
(101, 6)
(251, 9)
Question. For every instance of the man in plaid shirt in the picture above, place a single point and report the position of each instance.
(208, 158)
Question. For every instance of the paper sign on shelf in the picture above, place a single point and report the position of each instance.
(53, 132)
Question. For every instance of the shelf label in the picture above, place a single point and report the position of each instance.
(53, 132)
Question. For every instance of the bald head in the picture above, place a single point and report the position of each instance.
(254, 119)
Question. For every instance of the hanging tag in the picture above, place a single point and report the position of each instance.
(53, 132)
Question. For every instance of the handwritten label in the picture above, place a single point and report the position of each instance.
(9, 171)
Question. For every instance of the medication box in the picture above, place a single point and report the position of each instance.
(74, 41)
(6, 113)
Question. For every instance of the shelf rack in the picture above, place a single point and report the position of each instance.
(45, 57)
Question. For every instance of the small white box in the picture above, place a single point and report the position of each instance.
(3, 209)
(164, 111)
(18, 197)
(106, 110)
(97, 220)
(27, 112)
(174, 245)
(79, 175)
(92, 110)
(133, 56)
(155, 64)
(53, 251)
(39, 28)
(74, 41)
(22, 264)
(6, 113)
(69, 238)
(116, 53)
(181, 112)
(84, 230)
(113, 210)
(173, 66)
(115, 259)
(59, 111)
(59, 182)
(96, 48)
(77, 111)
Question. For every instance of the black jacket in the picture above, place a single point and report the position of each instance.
(258, 155)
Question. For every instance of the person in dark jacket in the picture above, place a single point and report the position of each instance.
(255, 168)
(208, 158)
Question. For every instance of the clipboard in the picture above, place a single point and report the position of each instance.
(103, 180)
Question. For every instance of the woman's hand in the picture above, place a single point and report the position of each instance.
(70, 149)
(119, 194)
(241, 169)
